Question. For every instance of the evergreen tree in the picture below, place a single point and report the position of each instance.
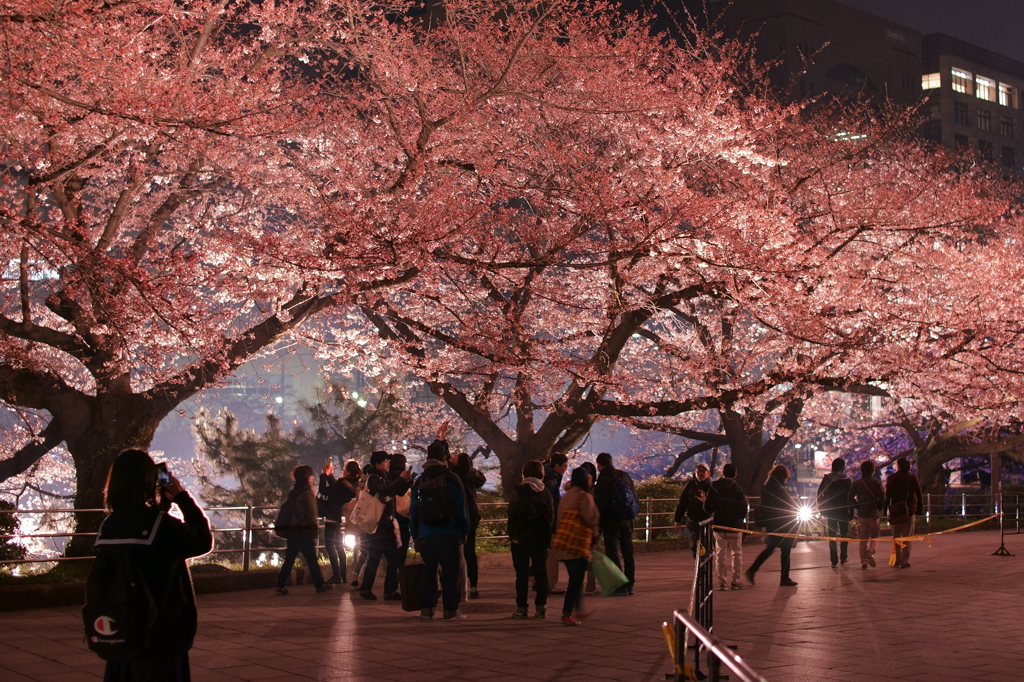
(9, 524)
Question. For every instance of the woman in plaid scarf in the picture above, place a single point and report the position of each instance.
(578, 520)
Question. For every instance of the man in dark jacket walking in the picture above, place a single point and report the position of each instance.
(833, 493)
(383, 541)
(867, 498)
(727, 502)
(618, 532)
(554, 469)
(903, 500)
(691, 503)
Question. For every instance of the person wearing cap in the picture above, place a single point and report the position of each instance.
(383, 542)
(691, 503)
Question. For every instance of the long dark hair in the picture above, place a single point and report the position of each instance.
(131, 481)
(461, 464)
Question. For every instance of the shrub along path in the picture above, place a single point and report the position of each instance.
(954, 615)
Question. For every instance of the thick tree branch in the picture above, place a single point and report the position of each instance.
(239, 350)
(32, 452)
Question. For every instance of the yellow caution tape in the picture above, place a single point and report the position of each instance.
(686, 669)
(823, 538)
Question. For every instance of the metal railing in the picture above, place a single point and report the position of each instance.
(647, 526)
(717, 653)
(702, 594)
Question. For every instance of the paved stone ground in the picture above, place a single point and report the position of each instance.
(954, 615)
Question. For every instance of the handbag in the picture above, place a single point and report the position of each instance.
(573, 536)
(608, 575)
(402, 503)
(367, 512)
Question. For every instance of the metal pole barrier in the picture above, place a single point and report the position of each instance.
(963, 506)
(1016, 511)
(1002, 551)
(928, 508)
(647, 533)
(247, 537)
(680, 661)
(714, 665)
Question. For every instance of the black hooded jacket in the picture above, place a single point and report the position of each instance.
(159, 545)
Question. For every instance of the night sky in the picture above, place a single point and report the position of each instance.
(996, 25)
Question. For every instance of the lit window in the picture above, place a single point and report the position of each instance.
(985, 88)
(1006, 126)
(984, 120)
(962, 81)
(930, 81)
(1007, 95)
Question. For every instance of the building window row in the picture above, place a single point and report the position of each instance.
(981, 87)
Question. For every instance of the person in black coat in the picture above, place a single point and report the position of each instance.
(531, 512)
(618, 533)
(833, 507)
(399, 464)
(462, 466)
(159, 545)
(333, 494)
(691, 503)
(383, 542)
(727, 502)
(777, 513)
(554, 469)
(302, 531)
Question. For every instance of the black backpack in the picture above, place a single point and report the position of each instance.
(625, 505)
(284, 527)
(535, 509)
(436, 506)
(119, 612)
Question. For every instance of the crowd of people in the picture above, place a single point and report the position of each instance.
(840, 501)
(549, 525)
(438, 515)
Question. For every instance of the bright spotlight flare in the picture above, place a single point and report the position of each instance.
(804, 514)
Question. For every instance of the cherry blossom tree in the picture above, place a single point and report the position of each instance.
(158, 225)
(184, 187)
(742, 255)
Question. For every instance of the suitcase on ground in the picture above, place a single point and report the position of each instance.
(410, 580)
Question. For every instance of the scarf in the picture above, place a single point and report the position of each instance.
(535, 483)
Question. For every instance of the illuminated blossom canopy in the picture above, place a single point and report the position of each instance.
(540, 211)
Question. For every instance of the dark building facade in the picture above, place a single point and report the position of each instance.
(973, 99)
(825, 46)
(970, 96)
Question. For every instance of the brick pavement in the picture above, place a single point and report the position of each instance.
(954, 615)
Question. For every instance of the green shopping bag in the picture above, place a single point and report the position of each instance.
(607, 573)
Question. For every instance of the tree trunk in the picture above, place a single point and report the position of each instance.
(97, 429)
(931, 473)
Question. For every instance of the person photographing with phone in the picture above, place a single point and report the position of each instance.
(140, 612)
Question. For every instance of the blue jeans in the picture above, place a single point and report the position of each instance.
(306, 547)
(334, 543)
(837, 529)
(440, 551)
